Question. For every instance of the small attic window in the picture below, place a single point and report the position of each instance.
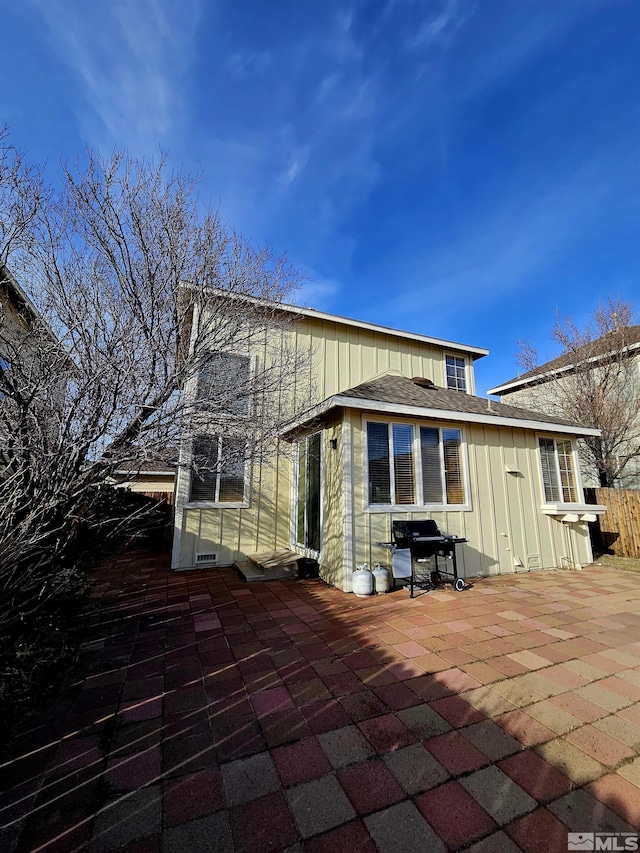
(456, 371)
(422, 382)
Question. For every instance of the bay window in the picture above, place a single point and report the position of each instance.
(412, 465)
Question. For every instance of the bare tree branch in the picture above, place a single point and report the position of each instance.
(135, 289)
(596, 382)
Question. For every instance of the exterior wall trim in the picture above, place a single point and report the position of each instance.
(347, 499)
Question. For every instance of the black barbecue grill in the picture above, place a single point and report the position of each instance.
(425, 540)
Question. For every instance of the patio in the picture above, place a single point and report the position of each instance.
(222, 716)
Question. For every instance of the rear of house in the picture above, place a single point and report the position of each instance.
(392, 430)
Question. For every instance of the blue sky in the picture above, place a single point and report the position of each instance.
(459, 168)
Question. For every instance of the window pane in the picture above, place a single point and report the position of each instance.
(204, 476)
(549, 472)
(302, 488)
(313, 493)
(403, 463)
(431, 473)
(232, 465)
(225, 382)
(567, 479)
(378, 457)
(456, 376)
(452, 466)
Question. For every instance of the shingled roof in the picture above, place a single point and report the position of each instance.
(626, 337)
(401, 395)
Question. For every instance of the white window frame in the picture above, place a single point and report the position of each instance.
(467, 384)
(551, 504)
(417, 468)
(216, 503)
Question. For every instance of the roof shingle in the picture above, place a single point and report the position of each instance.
(393, 388)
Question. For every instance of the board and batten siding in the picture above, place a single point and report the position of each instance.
(340, 357)
(506, 529)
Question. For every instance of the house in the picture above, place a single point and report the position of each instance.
(18, 318)
(30, 356)
(393, 431)
(599, 383)
(154, 478)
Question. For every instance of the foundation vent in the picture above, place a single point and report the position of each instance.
(206, 558)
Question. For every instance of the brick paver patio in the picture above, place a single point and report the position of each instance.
(221, 716)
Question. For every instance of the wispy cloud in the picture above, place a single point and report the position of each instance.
(439, 26)
(318, 291)
(128, 59)
(504, 252)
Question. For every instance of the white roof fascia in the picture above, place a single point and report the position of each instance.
(438, 414)
(549, 374)
(477, 352)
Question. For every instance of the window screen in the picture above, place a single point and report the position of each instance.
(558, 476)
(431, 470)
(440, 461)
(567, 479)
(225, 382)
(403, 463)
(205, 475)
(452, 466)
(232, 464)
(219, 469)
(378, 458)
(549, 472)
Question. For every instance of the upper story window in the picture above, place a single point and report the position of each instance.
(558, 470)
(456, 373)
(219, 474)
(412, 465)
(225, 381)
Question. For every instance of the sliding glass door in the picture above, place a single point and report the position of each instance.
(308, 493)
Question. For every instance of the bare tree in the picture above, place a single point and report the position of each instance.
(136, 295)
(527, 356)
(596, 382)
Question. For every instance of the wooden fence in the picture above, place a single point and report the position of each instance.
(618, 530)
(166, 497)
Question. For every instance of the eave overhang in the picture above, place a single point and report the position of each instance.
(343, 401)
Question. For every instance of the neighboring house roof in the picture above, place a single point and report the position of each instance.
(475, 352)
(393, 393)
(20, 298)
(164, 464)
(627, 338)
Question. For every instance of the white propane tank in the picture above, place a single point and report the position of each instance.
(381, 577)
(362, 581)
